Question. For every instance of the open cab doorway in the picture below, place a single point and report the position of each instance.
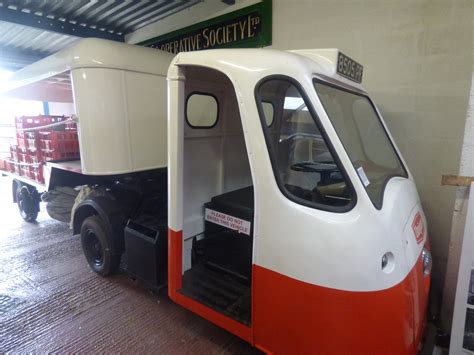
(218, 200)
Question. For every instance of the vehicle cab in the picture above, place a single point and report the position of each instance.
(294, 222)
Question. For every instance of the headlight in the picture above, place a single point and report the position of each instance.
(427, 261)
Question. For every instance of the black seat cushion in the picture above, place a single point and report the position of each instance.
(238, 202)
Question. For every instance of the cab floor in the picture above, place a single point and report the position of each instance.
(218, 290)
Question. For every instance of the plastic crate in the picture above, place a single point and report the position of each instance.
(21, 150)
(64, 141)
(62, 146)
(9, 166)
(58, 135)
(32, 121)
(23, 158)
(32, 138)
(36, 173)
(22, 139)
(58, 155)
(70, 126)
(14, 152)
(24, 170)
(37, 121)
(35, 156)
(26, 122)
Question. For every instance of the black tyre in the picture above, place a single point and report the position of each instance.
(27, 198)
(97, 246)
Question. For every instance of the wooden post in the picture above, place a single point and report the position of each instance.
(455, 180)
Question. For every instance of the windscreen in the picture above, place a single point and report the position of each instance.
(364, 138)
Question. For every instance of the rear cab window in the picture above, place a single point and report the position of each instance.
(202, 110)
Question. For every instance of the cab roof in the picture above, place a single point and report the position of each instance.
(261, 62)
(98, 53)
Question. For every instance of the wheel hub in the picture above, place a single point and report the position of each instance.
(94, 248)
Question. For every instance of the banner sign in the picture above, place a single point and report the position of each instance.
(247, 27)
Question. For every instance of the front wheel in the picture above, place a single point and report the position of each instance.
(97, 246)
(28, 200)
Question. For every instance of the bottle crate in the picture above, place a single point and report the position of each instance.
(21, 150)
(35, 156)
(14, 152)
(22, 139)
(24, 122)
(71, 126)
(23, 157)
(10, 166)
(24, 170)
(43, 144)
(58, 155)
(36, 173)
(32, 138)
(15, 168)
(63, 141)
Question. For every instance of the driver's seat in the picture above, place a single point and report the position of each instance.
(297, 151)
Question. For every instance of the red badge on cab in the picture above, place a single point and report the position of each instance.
(418, 228)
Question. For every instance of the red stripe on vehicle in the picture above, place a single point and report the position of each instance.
(292, 316)
(175, 252)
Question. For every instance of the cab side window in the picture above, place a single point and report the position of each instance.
(202, 110)
(304, 166)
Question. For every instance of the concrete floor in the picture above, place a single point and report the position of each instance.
(50, 301)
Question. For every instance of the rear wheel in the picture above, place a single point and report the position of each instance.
(28, 200)
(97, 246)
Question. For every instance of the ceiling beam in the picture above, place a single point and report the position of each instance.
(53, 25)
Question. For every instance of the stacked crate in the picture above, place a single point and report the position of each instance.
(36, 145)
(59, 145)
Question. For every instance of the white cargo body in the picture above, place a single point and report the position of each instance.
(119, 96)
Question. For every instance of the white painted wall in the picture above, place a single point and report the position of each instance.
(460, 210)
(417, 65)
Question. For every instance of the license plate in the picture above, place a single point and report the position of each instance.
(349, 68)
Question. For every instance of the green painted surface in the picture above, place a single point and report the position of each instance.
(244, 28)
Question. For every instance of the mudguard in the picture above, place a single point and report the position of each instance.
(110, 211)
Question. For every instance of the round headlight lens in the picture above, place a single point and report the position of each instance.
(427, 261)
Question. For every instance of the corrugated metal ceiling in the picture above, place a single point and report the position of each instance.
(21, 41)
(32, 40)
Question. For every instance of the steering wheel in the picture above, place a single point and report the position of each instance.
(314, 167)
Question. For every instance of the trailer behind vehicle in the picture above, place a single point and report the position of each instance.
(119, 97)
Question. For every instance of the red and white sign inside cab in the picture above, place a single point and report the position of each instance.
(225, 220)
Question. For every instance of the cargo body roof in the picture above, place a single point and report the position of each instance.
(93, 53)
